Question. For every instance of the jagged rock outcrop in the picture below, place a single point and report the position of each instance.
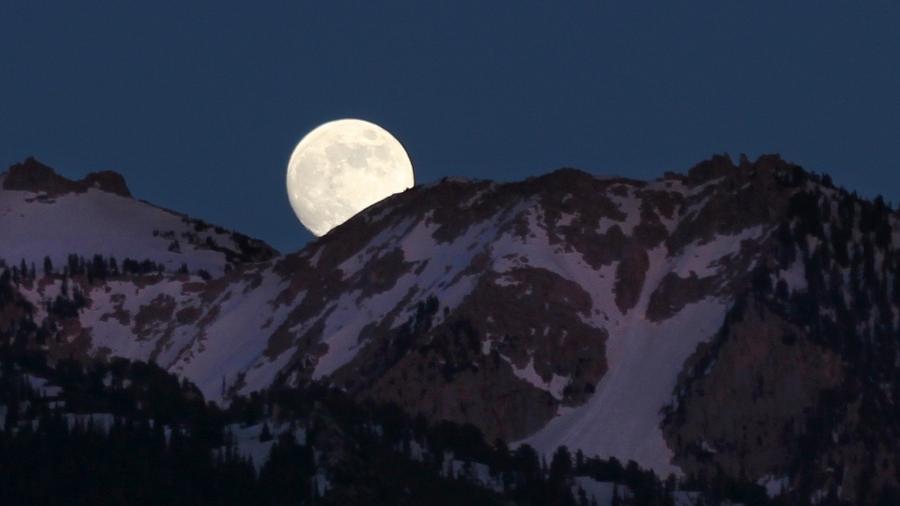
(33, 176)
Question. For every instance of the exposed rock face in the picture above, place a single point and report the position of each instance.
(471, 367)
(778, 396)
(33, 176)
(564, 309)
(749, 395)
(675, 292)
(630, 277)
(108, 181)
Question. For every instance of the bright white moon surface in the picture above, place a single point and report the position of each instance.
(341, 168)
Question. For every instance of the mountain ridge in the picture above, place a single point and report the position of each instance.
(33, 176)
(563, 309)
(43, 214)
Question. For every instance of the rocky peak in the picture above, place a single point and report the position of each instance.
(719, 166)
(715, 167)
(32, 175)
(108, 181)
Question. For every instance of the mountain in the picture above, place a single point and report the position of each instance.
(740, 319)
(43, 214)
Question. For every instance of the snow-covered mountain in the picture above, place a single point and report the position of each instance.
(43, 214)
(695, 323)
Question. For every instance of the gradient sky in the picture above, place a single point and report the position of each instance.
(199, 104)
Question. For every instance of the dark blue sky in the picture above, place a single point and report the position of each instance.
(199, 104)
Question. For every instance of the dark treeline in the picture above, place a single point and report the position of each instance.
(75, 276)
(93, 269)
(163, 444)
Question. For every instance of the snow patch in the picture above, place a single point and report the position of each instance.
(554, 386)
(600, 491)
(774, 486)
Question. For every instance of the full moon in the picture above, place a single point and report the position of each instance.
(342, 167)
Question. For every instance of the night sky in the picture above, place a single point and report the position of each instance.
(199, 104)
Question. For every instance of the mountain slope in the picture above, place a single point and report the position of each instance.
(565, 309)
(554, 291)
(43, 215)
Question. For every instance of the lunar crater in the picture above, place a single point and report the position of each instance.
(342, 167)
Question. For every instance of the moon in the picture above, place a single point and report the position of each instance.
(342, 167)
